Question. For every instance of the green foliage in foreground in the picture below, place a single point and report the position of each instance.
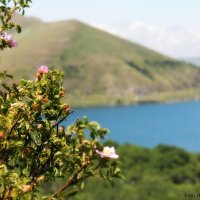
(35, 148)
(8, 8)
(162, 173)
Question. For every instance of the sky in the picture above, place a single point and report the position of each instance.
(171, 27)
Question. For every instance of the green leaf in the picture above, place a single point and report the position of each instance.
(57, 154)
(18, 28)
(94, 124)
(6, 87)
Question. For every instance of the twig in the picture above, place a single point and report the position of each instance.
(13, 126)
(72, 178)
(61, 120)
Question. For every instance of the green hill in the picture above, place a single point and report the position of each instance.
(160, 173)
(100, 68)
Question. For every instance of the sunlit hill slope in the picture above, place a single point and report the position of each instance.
(99, 68)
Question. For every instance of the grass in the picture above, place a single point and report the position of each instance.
(162, 97)
(100, 69)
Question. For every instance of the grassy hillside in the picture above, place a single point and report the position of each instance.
(100, 68)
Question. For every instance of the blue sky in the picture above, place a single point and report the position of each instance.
(170, 26)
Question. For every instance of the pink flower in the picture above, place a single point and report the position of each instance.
(43, 69)
(8, 39)
(13, 43)
(108, 152)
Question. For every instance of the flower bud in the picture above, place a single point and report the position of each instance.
(26, 188)
(26, 150)
(39, 126)
(40, 179)
(66, 107)
(45, 100)
(38, 76)
(35, 106)
(2, 135)
(61, 93)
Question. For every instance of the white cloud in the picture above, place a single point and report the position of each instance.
(173, 41)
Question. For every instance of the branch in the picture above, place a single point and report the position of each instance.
(13, 126)
(61, 120)
(72, 178)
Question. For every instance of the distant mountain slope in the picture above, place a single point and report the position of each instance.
(100, 68)
(26, 22)
(195, 61)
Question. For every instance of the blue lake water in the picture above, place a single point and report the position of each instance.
(149, 125)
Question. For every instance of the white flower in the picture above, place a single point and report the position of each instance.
(108, 152)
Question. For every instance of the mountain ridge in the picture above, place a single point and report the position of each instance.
(100, 68)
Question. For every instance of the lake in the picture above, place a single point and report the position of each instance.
(149, 125)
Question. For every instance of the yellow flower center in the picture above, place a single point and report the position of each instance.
(106, 151)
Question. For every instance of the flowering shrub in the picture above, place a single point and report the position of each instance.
(35, 145)
(7, 10)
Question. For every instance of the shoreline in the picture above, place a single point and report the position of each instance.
(134, 103)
